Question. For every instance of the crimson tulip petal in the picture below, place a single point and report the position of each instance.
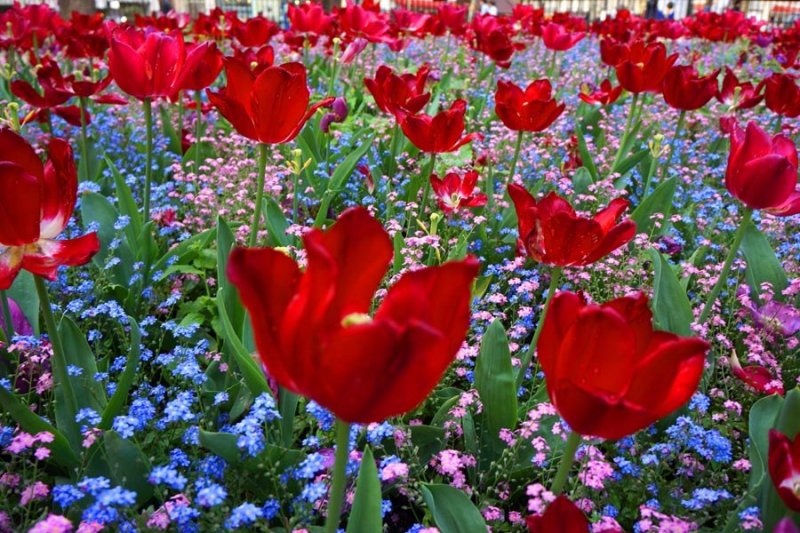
(784, 467)
(20, 205)
(15, 149)
(765, 182)
(59, 189)
(619, 235)
(561, 516)
(280, 99)
(128, 69)
(234, 112)
(53, 254)
(10, 265)
(608, 217)
(561, 314)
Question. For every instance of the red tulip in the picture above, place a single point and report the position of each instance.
(54, 94)
(271, 107)
(561, 516)
(551, 232)
(364, 23)
(316, 337)
(739, 95)
(255, 31)
(310, 20)
(782, 95)
(455, 191)
(757, 377)
(201, 68)
(606, 94)
(531, 110)
(762, 172)
(784, 468)
(454, 17)
(394, 94)
(558, 37)
(611, 52)
(684, 90)
(642, 67)
(608, 373)
(36, 202)
(493, 39)
(438, 134)
(84, 36)
(256, 58)
(146, 64)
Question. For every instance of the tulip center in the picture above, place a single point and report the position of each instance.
(356, 319)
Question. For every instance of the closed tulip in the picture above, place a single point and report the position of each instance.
(202, 67)
(533, 109)
(551, 232)
(642, 67)
(36, 203)
(685, 90)
(608, 373)
(558, 37)
(784, 467)
(146, 64)
(782, 95)
(762, 171)
(316, 336)
(438, 134)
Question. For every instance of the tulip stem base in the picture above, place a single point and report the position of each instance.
(59, 360)
(8, 331)
(338, 485)
(262, 171)
(555, 279)
(517, 149)
(672, 149)
(565, 465)
(84, 140)
(198, 125)
(148, 164)
(726, 266)
(626, 133)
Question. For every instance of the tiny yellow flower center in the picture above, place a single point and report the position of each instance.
(356, 319)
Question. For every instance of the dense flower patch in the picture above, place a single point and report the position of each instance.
(399, 271)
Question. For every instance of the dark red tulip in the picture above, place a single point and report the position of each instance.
(551, 232)
(54, 94)
(739, 95)
(36, 203)
(146, 64)
(757, 377)
(316, 336)
(271, 107)
(782, 95)
(310, 20)
(611, 52)
(201, 68)
(494, 39)
(533, 109)
(84, 36)
(784, 467)
(255, 31)
(438, 134)
(685, 90)
(642, 67)
(257, 59)
(456, 191)
(558, 37)
(608, 373)
(454, 17)
(399, 94)
(561, 516)
(358, 22)
(762, 172)
(604, 95)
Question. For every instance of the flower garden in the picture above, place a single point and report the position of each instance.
(396, 271)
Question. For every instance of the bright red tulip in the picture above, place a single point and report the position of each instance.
(454, 17)
(310, 20)
(551, 232)
(604, 95)
(782, 95)
(611, 52)
(456, 191)
(493, 38)
(438, 134)
(739, 95)
(255, 31)
(642, 67)
(757, 377)
(533, 109)
(561, 516)
(316, 337)
(54, 94)
(256, 58)
(356, 21)
(608, 373)
(201, 68)
(36, 203)
(558, 37)
(271, 107)
(784, 468)
(395, 94)
(146, 64)
(683, 89)
(762, 172)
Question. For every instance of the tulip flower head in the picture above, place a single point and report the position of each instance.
(642, 67)
(533, 109)
(560, 515)
(146, 64)
(784, 467)
(685, 90)
(399, 94)
(604, 95)
(438, 134)
(782, 95)
(316, 337)
(608, 373)
(456, 191)
(558, 37)
(757, 377)
(36, 203)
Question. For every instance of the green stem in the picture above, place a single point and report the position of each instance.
(84, 140)
(336, 496)
(650, 171)
(198, 109)
(148, 165)
(627, 132)
(9, 329)
(335, 71)
(565, 465)
(517, 148)
(726, 266)
(551, 70)
(262, 170)
(555, 279)
(673, 147)
(179, 129)
(58, 360)
(427, 190)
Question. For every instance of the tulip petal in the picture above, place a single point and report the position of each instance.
(10, 265)
(15, 149)
(53, 254)
(561, 314)
(280, 98)
(20, 205)
(59, 189)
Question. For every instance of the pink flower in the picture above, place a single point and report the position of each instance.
(52, 524)
(37, 491)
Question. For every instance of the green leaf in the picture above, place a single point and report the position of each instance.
(340, 175)
(251, 371)
(586, 156)
(126, 379)
(762, 264)
(287, 404)
(200, 241)
(225, 242)
(173, 137)
(23, 291)
(89, 392)
(658, 202)
(428, 440)
(581, 180)
(631, 161)
(203, 149)
(671, 307)
(90, 170)
(494, 379)
(366, 517)
(127, 465)
(96, 208)
(60, 450)
(276, 224)
(127, 204)
(452, 510)
(222, 444)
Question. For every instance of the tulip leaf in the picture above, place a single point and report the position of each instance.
(187, 247)
(586, 156)
(89, 391)
(287, 405)
(428, 440)
(127, 204)
(581, 179)
(658, 202)
(126, 379)
(225, 242)
(222, 444)
(672, 310)
(340, 175)
(173, 137)
(251, 371)
(199, 151)
(494, 379)
(23, 291)
(627, 164)
(32, 423)
(452, 510)
(90, 169)
(276, 224)
(128, 466)
(96, 209)
(366, 516)
(762, 264)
